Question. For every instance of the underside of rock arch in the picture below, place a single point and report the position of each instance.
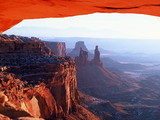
(14, 11)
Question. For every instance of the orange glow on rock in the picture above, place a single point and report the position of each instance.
(14, 11)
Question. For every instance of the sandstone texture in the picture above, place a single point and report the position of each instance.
(14, 11)
(59, 48)
(35, 83)
(22, 45)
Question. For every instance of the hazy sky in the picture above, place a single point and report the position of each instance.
(94, 25)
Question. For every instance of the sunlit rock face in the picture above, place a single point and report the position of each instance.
(16, 45)
(59, 48)
(36, 83)
(14, 11)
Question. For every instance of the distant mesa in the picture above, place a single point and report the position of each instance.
(78, 46)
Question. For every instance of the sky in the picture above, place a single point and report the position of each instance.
(111, 31)
(97, 25)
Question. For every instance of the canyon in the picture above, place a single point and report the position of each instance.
(93, 79)
(36, 83)
(114, 96)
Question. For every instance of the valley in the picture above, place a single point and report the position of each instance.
(117, 90)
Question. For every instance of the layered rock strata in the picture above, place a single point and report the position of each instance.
(36, 83)
(59, 48)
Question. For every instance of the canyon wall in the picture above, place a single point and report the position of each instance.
(38, 85)
(50, 91)
(22, 45)
(59, 48)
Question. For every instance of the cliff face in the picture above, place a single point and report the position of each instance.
(22, 45)
(59, 48)
(38, 85)
(49, 93)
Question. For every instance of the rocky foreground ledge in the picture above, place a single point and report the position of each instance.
(36, 83)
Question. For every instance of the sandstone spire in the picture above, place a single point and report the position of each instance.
(82, 58)
(96, 58)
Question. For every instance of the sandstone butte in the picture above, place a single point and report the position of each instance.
(14, 11)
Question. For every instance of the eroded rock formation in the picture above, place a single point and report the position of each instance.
(93, 79)
(78, 47)
(12, 12)
(22, 45)
(59, 48)
(82, 59)
(96, 59)
(38, 85)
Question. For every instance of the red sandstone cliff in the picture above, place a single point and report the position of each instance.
(38, 85)
(59, 48)
(15, 44)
